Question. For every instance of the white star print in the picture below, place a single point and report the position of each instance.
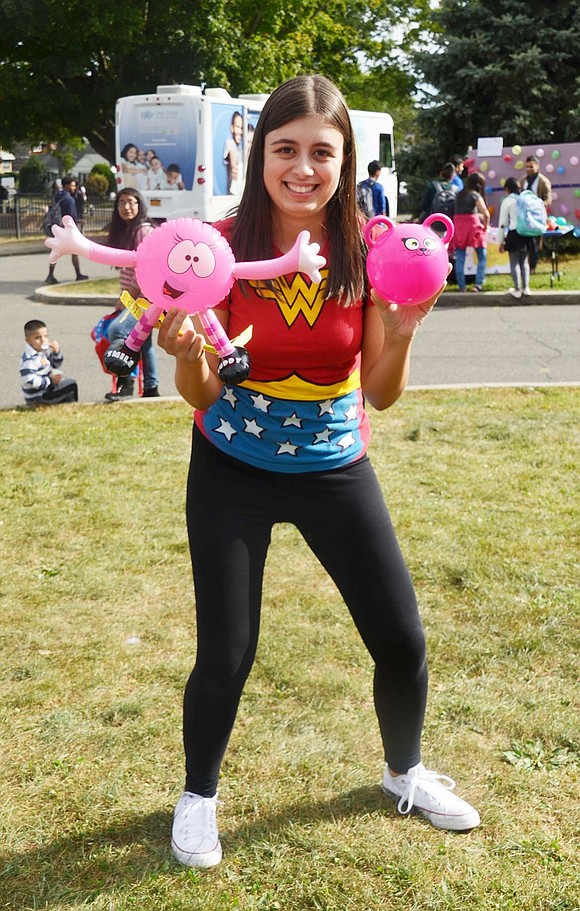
(230, 396)
(325, 407)
(351, 413)
(287, 447)
(292, 421)
(346, 441)
(323, 436)
(253, 427)
(226, 428)
(260, 402)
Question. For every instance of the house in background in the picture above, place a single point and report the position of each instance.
(6, 159)
(85, 164)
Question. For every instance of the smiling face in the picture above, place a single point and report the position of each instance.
(302, 167)
(185, 263)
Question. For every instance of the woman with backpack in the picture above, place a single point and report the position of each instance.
(471, 220)
(509, 240)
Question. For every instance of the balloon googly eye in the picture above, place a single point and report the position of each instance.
(430, 243)
(411, 243)
(189, 255)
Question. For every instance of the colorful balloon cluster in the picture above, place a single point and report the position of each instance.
(556, 224)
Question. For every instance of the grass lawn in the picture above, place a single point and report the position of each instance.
(98, 639)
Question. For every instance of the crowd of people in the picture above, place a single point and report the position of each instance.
(460, 194)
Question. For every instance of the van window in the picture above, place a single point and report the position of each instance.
(386, 149)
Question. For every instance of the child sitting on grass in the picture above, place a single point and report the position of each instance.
(42, 383)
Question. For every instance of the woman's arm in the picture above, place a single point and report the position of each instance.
(388, 334)
(503, 221)
(195, 376)
(483, 211)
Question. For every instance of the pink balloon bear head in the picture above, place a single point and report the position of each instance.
(407, 264)
(185, 263)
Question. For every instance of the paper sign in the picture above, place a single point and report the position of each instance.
(489, 146)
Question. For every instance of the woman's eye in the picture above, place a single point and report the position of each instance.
(189, 255)
(411, 243)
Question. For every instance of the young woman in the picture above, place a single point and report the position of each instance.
(471, 221)
(128, 227)
(509, 239)
(289, 445)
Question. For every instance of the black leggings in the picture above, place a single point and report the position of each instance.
(231, 508)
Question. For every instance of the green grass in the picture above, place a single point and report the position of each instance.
(98, 638)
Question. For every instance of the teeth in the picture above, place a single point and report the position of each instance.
(299, 188)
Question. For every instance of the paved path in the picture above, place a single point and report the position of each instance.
(458, 344)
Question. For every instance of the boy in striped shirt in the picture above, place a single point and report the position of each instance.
(42, 382)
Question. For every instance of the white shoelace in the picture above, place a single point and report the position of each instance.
(412, 782)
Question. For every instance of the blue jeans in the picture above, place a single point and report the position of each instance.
(120, 328)
(481, 253)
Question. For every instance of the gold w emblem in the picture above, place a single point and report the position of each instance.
(295, 296)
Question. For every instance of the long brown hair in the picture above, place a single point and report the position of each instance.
(124, 234)
(251, 237)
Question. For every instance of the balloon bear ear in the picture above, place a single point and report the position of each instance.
(377, 220)
(442, 220)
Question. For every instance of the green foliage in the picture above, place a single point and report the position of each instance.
(499, 68)
(104, 171)
(33, 177)
(97, 185)
(52, 84)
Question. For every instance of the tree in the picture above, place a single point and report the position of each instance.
(496, 68)
(33, 177)
(103, 170)
(64, 64)
(97, 185)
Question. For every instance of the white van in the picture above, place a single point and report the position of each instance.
(185, 149)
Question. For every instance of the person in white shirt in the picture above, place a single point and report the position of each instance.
(513, 243)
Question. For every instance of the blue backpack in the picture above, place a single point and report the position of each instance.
(531, 215)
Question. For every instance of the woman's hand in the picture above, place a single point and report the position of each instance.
(404, 321)
(178, 337)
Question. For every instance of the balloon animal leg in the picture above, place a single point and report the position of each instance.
(234, 365)
(122, 355)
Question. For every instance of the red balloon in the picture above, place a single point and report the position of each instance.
(507, 157)
(577, 213)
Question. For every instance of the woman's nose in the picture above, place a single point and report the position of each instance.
(303, 165)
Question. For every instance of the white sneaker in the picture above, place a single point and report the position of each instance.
(194, 838)
(527, 292)
(431, 794)
(515, 292)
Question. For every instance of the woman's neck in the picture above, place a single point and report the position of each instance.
(284, 233)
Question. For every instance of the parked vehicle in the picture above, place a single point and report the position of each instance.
(186, 148)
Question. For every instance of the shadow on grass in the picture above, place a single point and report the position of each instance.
(80, 866)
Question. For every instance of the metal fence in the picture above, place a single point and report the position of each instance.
(21, 217)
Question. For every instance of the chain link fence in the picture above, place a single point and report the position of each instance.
(21, 216)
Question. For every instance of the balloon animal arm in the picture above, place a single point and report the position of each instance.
(303, 257)
(69, 239)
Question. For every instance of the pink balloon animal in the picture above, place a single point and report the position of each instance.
(407, 264)
(189, 264)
